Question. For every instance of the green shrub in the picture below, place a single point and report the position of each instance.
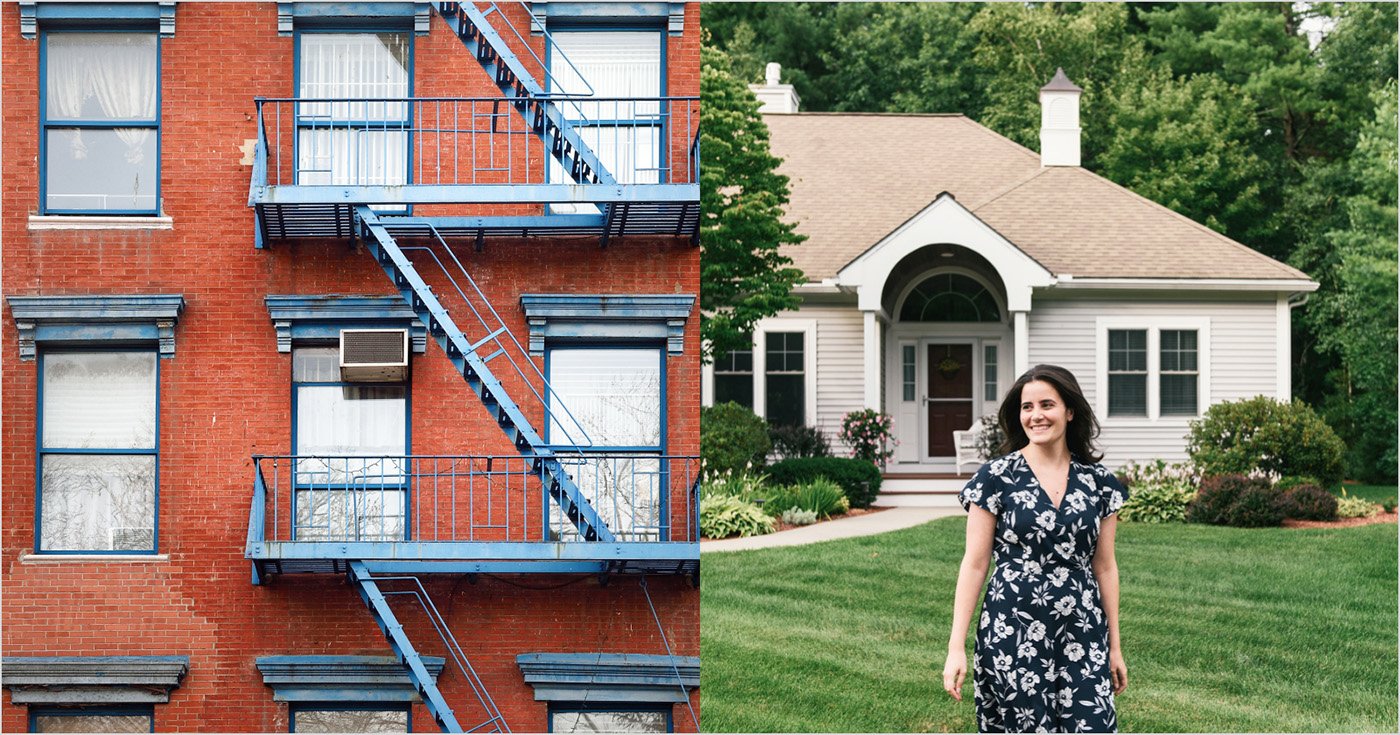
(1388, 505)
(742, 485)
(1309, 503)
(1257, 506)
(799, 517)
(867, 433)
(732, 438)
(1159, 492)
(1261, 434)
(799, 441)
(722, 516)
(1216, 496)
(821, 496)
(1351, 507)
(859, 479)
(1290, 482)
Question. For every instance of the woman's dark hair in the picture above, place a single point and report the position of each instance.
(1082, 430)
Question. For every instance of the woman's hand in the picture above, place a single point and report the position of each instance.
(953, 672)
(1118, 670)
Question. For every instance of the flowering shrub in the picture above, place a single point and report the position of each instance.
(867, 432)
(1159, 492)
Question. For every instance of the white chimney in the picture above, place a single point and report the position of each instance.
(1059, 122)
(773, 96)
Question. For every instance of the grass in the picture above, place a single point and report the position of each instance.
(1224, 630)
(1373, 493)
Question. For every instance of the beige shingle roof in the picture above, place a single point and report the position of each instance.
(856, 177)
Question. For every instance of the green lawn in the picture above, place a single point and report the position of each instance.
(1373, 493)
(1224, 630)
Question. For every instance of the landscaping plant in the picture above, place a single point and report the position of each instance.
(1159, 492)
(742, 485)
(860, 480)
(990, 438)
(867, 433)
(1264, 435)
(1353, 507)
(1309, 502)
(799, 517)
(722, 516)
(799, 441)
(732, 438)
(1257, 506)
(1218, 494)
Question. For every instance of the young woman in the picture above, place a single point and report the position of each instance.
(1048, 657)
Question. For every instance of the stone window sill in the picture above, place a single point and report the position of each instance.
(98, 222)
(90, 558)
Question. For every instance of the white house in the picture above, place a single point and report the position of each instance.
(943, 260)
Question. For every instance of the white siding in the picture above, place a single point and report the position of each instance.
(1243, 359)
(840, 369)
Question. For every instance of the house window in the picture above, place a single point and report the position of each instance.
(346, 717)
(100, 123)
(623, 123)
(785, 379)
(1179, 372)
(910, 371)
(353, 142)
(949, 297)
(734, 377)
(125, 718)
(1127, 372)
(610, 402)
(606, 717)
(98, 452)
(989, 372)
(350, 440)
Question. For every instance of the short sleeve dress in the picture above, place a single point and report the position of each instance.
(1041, 660)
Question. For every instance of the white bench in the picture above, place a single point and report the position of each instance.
(966, 444)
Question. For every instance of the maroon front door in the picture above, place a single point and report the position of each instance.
(949, 395)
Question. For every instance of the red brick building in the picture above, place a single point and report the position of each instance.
(350, 366)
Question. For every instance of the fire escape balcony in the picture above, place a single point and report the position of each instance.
(470, 514)
(477, 167)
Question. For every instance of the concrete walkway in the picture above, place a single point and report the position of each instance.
(863, 525)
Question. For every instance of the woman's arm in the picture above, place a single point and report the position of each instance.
(1106, 572)
(981, 526)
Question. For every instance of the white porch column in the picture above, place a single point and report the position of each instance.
(1283, 351)
(1021, 334)
(872, 360)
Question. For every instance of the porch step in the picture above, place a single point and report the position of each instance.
(919, 491)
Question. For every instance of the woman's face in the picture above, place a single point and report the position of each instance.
(1043, 414)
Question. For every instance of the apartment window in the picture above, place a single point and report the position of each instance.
(353, 142)
(350, 440)
(609, 717)
(345, 717)
(734, 377)
(610, 402)
(785, 378)
(623, 124)
(1127, 372)
(1180, 372)
(100, 123)
(98, 452)
(138, 718)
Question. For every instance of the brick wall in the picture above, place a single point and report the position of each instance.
(226, 396)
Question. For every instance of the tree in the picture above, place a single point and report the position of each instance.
(743, 276)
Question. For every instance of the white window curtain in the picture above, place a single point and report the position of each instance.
(117, 71)
(357, 143)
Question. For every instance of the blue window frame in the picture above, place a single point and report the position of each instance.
(611, 399)
(347, 717)
(609, 717)
(99, 122)
(614, 62)
(352, 440)
(98, 463)
(354, 142)
(108, 718)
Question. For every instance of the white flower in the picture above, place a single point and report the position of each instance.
(1102, 688)
(1066, 698)
(1028, 680)
(1074, 651)
(1046, 520)
(1115, 501)
(1097, 654)
(1000, 629)
(1087, 480)
(1001, 662)
(1025, 650)
(1058, 576)
(1065, 548)
(1031, 568)
(986, 619)
(1065, 606)
(1009, 536)
(972, 494)
(1024, 497)
(1077, 501)
(1036, 630)
(1088, 598)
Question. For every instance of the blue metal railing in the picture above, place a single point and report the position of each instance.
(489, 498)
(464, 141)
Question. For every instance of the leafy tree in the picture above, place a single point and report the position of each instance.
(743, 277)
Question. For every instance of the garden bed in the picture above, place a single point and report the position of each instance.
(852, 513)
(1342, 522)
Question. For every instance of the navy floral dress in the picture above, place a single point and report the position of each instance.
(1041, 662)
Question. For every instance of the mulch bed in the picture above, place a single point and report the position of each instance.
(1343, 522)
(779, 526)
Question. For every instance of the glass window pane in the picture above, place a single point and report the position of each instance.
(783, 352)
(351, 420)
(101, 76)
(989, 369)
(371, 513)
(609, 397)
(352, 157)
(98, 502)
(785, 402)
(357, 720)
(1179, 395)
(654, 721)
(910, 371)
(626, 493)
(1127, 395)
(734, 388)
(92, 723)
(99, 400)
(316, 364)
(101, 169)
(357, 66)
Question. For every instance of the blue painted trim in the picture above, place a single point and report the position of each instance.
(138, 710)
(527, 222)
(45, 125)
(532, 551)
(42, 451)
(485, 567)
(486, 193)
(158, 15)
(323, 316)
(342, 679)
(613, 318)
(96, 319)
(617, 679)
(344, 705)
(671, 15)
(292, 15)
(101, 681)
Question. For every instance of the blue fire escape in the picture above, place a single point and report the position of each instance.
(497, 167)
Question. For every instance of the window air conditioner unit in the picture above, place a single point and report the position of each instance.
(131, 538)
(374, 355)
